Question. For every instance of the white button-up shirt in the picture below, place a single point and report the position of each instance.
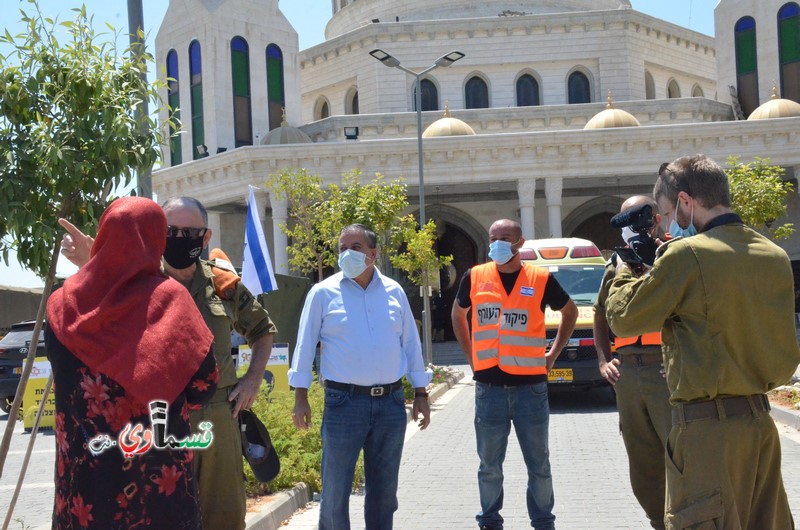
(369, 336)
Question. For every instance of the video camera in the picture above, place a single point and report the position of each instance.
(641, 249)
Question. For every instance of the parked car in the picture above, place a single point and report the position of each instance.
(578, 266)
(14, 348)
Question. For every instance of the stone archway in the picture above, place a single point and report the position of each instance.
(591, 221)
(467, 241)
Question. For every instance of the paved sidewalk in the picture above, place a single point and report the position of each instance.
(438, 484)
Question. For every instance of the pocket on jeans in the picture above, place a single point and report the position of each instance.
(481, 389)
(399, 397)
(335, 398)
(703, 512)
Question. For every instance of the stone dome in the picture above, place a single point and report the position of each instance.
(448, 126)
(285, 134)
(611, 118)
(776, 107)
(351, 14)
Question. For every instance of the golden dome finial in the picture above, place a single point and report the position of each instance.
(284, 123)
(610, 104)
(446, 108)
(774, 90)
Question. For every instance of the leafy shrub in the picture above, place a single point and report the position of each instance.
(300, 451)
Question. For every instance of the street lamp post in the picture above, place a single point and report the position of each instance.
(443, 61)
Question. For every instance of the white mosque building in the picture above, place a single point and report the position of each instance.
(524, 139)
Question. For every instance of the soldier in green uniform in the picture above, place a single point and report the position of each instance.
(219, 468)
(227, 304)
(642, 396)
(723, 299)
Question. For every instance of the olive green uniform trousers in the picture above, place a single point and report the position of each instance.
(645, 420)
(725, 474)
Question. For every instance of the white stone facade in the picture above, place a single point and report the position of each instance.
(214, 23)
(765, 13)
(612, 48)
(535, 164)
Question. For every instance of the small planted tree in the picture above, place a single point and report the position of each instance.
(318, 215)
(758, 195)
(417, 256)
(68, 136)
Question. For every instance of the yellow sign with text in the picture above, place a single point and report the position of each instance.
(33, 396)
(276, 374)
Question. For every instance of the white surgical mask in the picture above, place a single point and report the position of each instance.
(352, 263)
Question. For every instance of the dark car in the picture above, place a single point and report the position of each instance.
(14, 349)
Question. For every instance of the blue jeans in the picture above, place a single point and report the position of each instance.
(495, 408)
(351, 422)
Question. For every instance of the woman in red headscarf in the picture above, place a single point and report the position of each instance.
(123, 339)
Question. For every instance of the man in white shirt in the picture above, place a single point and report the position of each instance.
(369, 341)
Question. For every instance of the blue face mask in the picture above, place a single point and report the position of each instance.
(500, 251)
(675, 229)
(352, 263)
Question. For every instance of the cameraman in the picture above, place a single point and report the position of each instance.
(642, 394)
(724, 301)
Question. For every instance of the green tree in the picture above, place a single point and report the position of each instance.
(309, 251)
(418, 257)
(758, 195)
(68, 136)
(318, 214)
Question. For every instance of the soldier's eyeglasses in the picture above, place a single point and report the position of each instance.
(176, 231)
(663, 167)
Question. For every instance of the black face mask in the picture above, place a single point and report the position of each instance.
(183, 252)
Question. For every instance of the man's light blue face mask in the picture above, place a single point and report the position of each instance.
(675, 229)
(500, 251)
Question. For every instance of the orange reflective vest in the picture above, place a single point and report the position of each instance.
(508, 330)
(648, 339)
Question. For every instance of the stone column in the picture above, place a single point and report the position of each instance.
(526, 189)
(553, 188)
(216, 230)
(279, 217)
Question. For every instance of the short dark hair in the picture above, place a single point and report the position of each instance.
(369, 234)
(187, 201)
(699, 176)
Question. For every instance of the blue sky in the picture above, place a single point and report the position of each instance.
(308, 18)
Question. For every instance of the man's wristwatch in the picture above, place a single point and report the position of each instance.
(421, 394)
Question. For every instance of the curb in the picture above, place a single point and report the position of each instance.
(285, 503)
(280, 508)
(785, 416)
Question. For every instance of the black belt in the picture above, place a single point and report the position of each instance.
(640, 359)
(374, 391)
(710, 410)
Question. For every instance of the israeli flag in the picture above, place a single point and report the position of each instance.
(257, 273)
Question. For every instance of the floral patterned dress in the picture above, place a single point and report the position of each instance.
(155, 489)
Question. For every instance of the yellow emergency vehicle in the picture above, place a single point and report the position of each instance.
(578, 266)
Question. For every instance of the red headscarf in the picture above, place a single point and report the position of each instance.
(121, 316)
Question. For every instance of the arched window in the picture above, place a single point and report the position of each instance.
(242, 111)
(196, 88)
(351, 101)
(275, 94)
(697, 92)
(746, 64)
(527, 91)
(174, 102)
(578, 88)
(476, 93)
(430, 95)
(321, 109)
(673, 90)
(649, 86)
(789, 44)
